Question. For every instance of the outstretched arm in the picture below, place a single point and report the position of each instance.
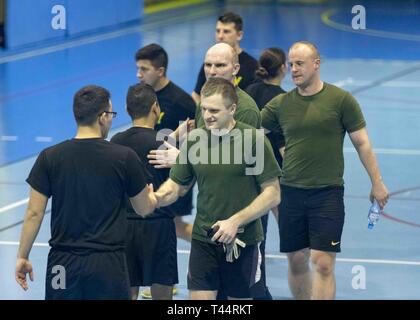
(145, 202)
(360, 140)
(170, 191)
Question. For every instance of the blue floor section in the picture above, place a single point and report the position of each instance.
(380, 65)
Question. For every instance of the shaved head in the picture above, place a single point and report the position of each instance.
(221, 61)
(225, 49)
(306, 45)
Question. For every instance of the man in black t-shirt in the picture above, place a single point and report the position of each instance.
(151, 241)
(176, 106)
(87, 178)
(229, 29)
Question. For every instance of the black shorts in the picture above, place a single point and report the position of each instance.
(89, 276)
(183, 206)
(151, 252)
(311, 218)
(208, 270)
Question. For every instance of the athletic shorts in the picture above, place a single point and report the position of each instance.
(209, 271)
(151, 252)
(311, 218)
(88, 276)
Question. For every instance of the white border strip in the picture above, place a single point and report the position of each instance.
(405, 152)
(14, 205)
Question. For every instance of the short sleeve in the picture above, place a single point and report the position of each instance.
(182, 171)
(269, 114)
(137, 175)
(352, 116)
(271, 169)
(39, 178)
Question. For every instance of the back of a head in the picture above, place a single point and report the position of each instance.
(88, 103)
(270, 61)
(220, 86)
(155, 53)
(140, 99)
(232, 17)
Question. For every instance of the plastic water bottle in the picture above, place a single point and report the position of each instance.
(374, 213)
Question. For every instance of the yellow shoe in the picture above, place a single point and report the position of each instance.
(147, 294)
(174, 291)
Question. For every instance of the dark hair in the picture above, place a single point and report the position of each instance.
(156, 54)
(220, 86)
(269, 64)
(88, 103)
(140, 98)
(232, 17)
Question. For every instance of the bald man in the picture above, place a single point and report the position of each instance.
(314, 118)
(221, 61)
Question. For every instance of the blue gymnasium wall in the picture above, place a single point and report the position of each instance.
(28, 22)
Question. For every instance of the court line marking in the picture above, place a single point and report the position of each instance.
(405, 152)
(8, 138)
(270, 256)
(14, 205)
(43, 139)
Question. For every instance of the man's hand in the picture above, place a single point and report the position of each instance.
(152, 196)
(226, 231)
(23, 267)
(380, 193)
(181, 132)
(163, 158)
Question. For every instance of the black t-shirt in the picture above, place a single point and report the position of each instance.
(142, 140)
(176, 105)
(244, 78)
(262, 93)
(87, 180)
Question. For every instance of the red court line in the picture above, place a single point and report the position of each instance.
(390, 217)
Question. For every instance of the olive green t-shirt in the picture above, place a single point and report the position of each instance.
(229, 173)
(247, 111)
(314, 128)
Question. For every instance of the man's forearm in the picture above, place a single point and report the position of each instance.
(368, 159)
(267, 199)
(30, 229)
(168, 193)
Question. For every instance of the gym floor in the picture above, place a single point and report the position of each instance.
(379, 65)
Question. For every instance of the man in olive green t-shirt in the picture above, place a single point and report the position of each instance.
(237, 176)
(314, 118)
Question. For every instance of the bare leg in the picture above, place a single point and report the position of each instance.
(300, 278)
(134, 293)
(183, 229)
(161, 292)
(203, 295)
(324, 279)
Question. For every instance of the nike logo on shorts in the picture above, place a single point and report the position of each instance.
(334, 243)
